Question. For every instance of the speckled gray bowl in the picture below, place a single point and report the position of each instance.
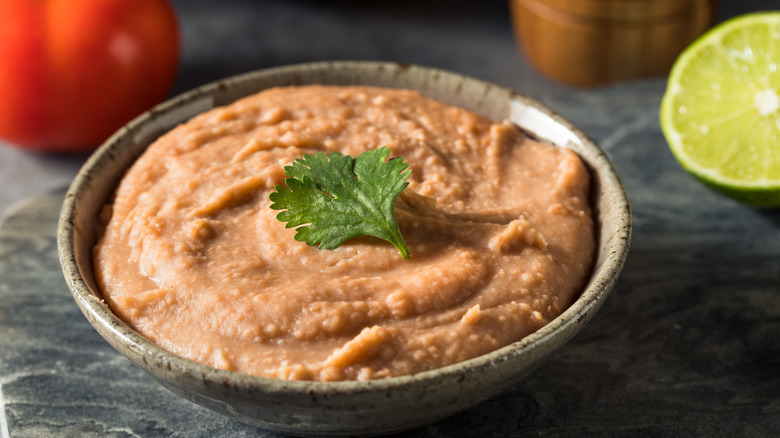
(340, 408)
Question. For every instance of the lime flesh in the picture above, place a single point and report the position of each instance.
(721, 110)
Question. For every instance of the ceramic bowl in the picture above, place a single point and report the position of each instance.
(340, 408)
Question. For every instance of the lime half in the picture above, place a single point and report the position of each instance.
(721, 110)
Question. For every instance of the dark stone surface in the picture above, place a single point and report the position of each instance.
(687, 345)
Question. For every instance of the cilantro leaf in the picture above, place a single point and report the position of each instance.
(334, 198)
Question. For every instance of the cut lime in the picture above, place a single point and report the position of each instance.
(721, 110)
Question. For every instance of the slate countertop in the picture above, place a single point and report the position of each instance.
(688, 344)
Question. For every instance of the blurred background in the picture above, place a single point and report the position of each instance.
(229, 37)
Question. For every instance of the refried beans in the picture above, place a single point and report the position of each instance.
(499, 228)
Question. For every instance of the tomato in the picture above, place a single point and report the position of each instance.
(74, 71)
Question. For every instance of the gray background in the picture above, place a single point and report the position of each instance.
(228, 37)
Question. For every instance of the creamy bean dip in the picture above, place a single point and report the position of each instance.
(499, 228)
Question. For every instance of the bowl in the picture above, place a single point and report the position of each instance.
(348, 407)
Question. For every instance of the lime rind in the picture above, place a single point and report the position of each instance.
(718, 112)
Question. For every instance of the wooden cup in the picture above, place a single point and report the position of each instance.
(592, 42)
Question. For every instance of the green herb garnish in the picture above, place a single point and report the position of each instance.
(334, 198)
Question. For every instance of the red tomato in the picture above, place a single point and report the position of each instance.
(74, 71)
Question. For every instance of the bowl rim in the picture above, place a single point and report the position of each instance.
(97, 312)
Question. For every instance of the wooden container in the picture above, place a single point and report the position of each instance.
(592, 42)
